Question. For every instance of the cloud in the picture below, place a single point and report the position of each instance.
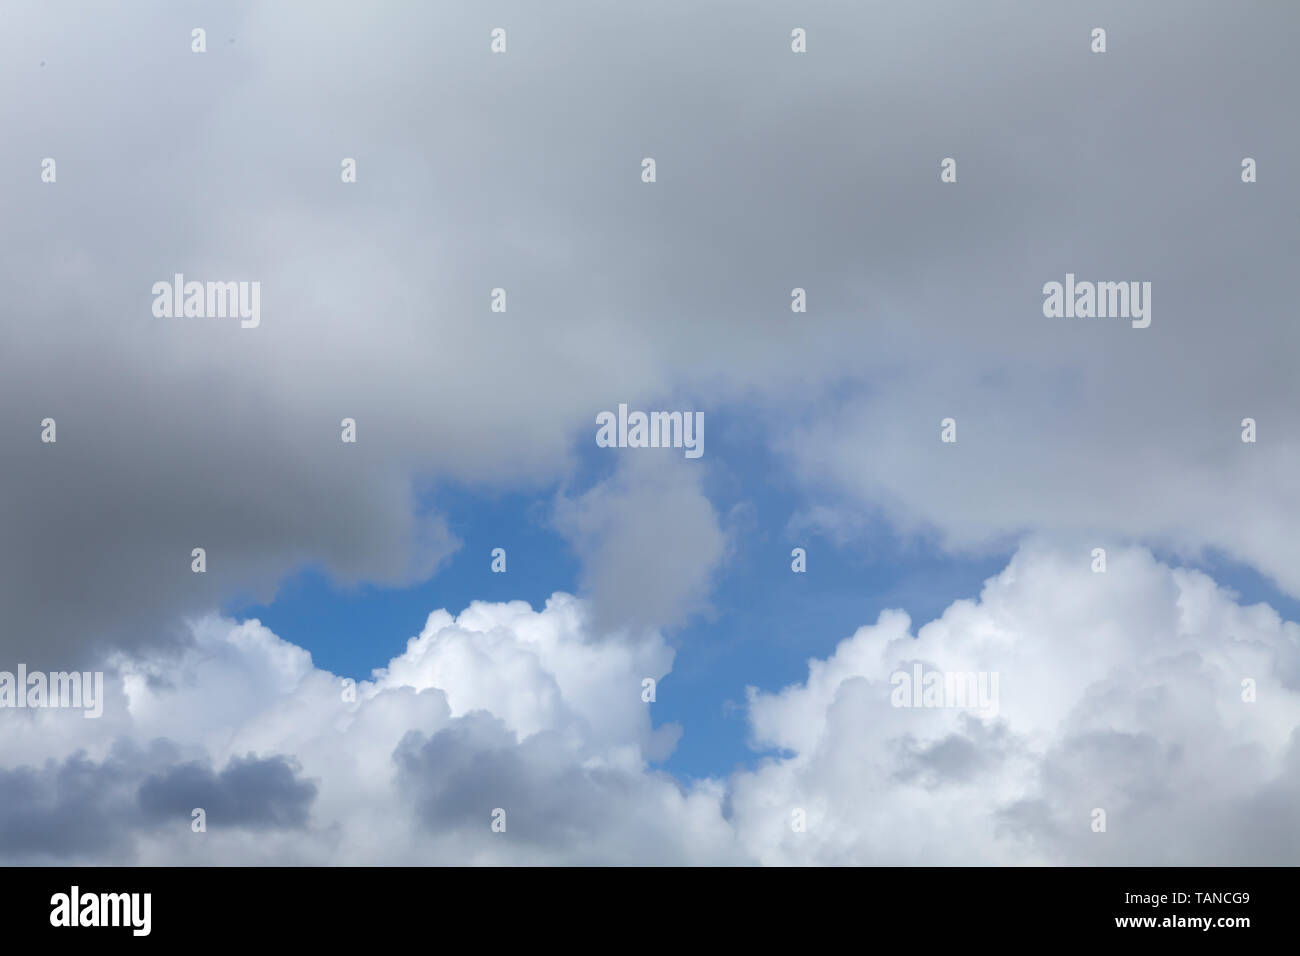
(72, 808)
(175, 434)
(87, 811)
(1119, 691)
(499, 706)
(650, 542)
(249, 792)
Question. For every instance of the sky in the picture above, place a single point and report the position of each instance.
(347, 679)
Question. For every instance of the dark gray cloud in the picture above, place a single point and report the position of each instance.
(456, 778)
(64, 810)
(80, 809)
(249, 792)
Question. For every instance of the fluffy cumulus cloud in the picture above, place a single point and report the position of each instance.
(500, 707)
(1119, 691)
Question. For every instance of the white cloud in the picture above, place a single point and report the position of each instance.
(1119, 690)
(500, 706)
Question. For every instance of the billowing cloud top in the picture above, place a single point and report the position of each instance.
(511, 713)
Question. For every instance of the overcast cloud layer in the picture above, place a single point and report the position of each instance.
(522, 171)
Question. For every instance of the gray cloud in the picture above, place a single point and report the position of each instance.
(650, 541)
(456, 778)
(68, 809)
(521, 171)
(82, 809)
(249, 792)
